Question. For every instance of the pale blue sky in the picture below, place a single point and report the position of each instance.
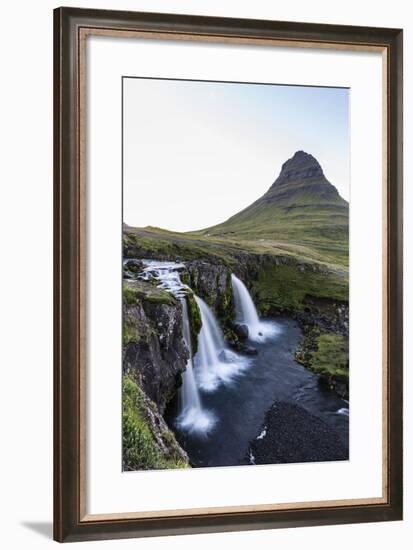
(195, 153)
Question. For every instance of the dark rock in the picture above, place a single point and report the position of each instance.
(291, 434)
(132, 267)
(241, 331)
(208, 280)
(339, 384)
(300, 166)
(249, 350)
(154, 350)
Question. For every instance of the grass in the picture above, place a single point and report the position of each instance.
(130, 295)
(140, 448)
(160, 244)
(130, 334)
(331, 356)
(286, 286)
(301, 271)
(301, 219)
(301, 212)
(326, 354)
(136, 293)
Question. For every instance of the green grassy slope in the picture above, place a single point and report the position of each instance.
(291, 249)
(148, 444)
(297, 232)
(301, 208)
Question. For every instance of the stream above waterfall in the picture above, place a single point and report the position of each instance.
(222, 405)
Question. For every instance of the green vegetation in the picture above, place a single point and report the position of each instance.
(318, 237)
(291, 244)
(136, 291)
(195, 320)
(138, 294)
(301, 207)
(130, 295)
(130, 332)
(285, 287)
(153, 242)
(331, 355)
(225, 310)
(141, 450)
(284, 274)
(166, 245)
(326, 354)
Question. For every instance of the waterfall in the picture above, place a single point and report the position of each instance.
(192, 417)
(245, 310)
(214, 362)
(246, 313)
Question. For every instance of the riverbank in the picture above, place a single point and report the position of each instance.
(290, 434)
(241, 405)
(287, 281)
(214, 398)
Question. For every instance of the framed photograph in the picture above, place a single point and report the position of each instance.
(228, 274)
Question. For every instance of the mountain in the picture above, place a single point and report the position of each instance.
(300, 207)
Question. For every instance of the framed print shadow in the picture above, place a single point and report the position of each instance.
(228, 274)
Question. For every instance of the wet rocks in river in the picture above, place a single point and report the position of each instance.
(241, 331)
(131, 268)
(248, 350)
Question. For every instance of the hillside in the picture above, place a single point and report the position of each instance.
(291, 244)
(290, 249)
(300, 208)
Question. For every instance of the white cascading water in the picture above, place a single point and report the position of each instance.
(192, 416)
(246, 313)
(214, 362)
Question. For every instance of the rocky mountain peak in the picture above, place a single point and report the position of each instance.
(299, 167)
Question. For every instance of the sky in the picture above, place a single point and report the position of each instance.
(196, 153)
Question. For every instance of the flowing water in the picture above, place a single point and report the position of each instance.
(214, 363)
(240, 406)
(225, 396)
(192, 416)
(246, 313)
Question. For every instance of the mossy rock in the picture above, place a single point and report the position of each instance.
(331, 356)
(185, 278)
(135, 292)
(130, 295)
(130, 333)
(225, 308)
(141, 451)
(326, 354)
(195, 320)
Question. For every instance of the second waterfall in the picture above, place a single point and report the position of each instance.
(246, 313)
(212, 365)
(214, 362)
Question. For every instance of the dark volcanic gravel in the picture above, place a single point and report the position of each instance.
(294, 435)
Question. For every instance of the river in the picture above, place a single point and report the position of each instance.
(240, 406)
(222, 404)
